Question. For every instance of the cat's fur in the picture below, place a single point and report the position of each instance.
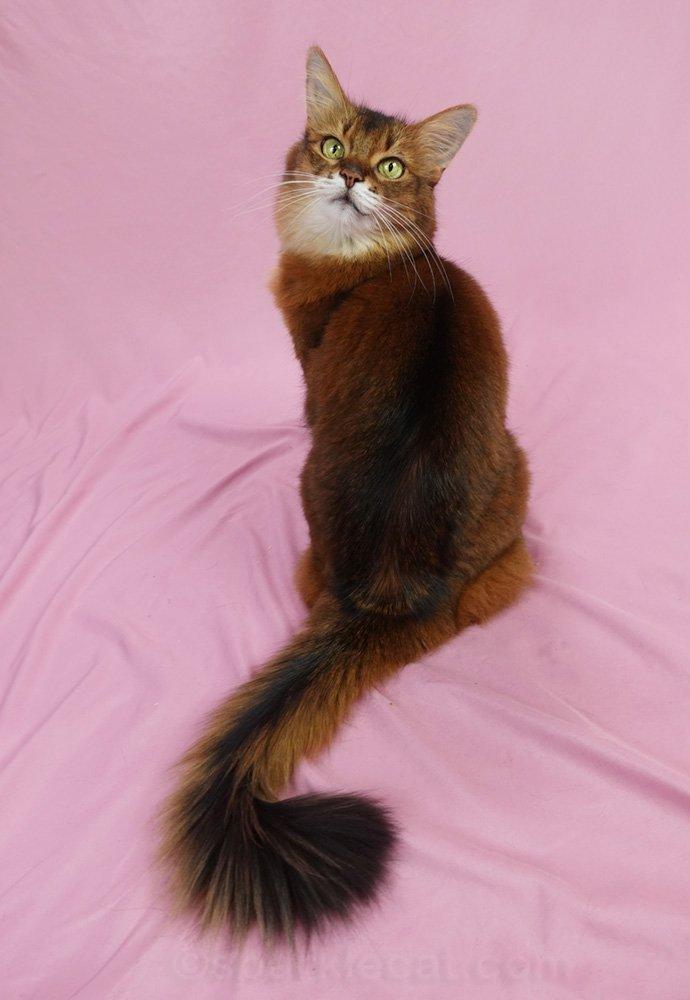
(414, 492)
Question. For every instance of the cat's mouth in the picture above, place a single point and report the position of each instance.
(345, 197)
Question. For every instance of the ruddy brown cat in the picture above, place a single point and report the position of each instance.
(414, 492)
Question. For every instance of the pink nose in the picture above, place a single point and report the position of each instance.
(350, 175)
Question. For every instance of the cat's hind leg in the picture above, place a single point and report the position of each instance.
(308, 578)
(496, 587)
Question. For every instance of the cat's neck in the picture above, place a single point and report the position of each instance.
(302, 278)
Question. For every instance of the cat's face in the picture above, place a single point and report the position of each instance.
(359, 181)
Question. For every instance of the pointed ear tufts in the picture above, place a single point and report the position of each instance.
(325, 96)
(442, 135)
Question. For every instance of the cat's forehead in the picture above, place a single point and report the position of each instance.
(365, 122)
(367, 131)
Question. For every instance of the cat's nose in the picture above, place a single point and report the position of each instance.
(350, 174)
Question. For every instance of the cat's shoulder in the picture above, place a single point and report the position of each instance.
(421, 282)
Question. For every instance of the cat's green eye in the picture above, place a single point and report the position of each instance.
(332, 148)
(392, 168)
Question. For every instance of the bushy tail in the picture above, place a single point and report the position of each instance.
(239, 856)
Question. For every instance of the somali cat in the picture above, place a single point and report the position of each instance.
(414, 493)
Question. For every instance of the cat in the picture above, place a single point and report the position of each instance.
(414, 492)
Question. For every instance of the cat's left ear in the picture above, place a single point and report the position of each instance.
(325, 97)
(441, 136)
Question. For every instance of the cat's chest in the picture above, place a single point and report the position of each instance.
(310, 322)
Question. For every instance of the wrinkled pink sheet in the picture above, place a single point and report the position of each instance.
(150, 447)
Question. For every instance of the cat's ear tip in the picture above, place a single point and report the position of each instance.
(315, 54)
(469, 111)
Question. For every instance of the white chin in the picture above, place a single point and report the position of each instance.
(329, 226)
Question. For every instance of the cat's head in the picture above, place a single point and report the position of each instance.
(360, 181)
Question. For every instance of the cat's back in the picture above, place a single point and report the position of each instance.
(433, 347)
(421, 312)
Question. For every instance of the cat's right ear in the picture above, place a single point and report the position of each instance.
(325, 97)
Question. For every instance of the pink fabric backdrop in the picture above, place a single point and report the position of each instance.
(150, 446)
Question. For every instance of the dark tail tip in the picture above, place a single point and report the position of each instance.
(335, 850)
(286, 867)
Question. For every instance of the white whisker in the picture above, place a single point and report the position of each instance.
(272, 187)
(419, 235)
(383, 244)
(273, 203)
(417, 211)
(421, 248)
(405, 254)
